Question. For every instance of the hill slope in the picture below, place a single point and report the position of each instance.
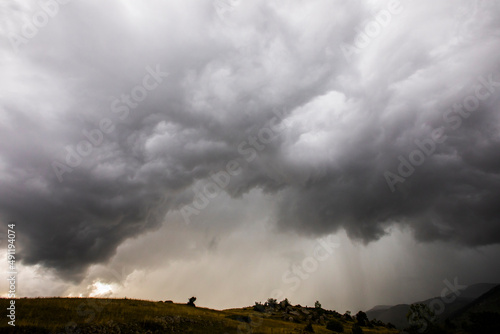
(397, 314)
(94, 315)
(485, 308)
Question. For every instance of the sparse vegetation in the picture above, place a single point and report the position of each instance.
(335, 326)
(191, 301)
(309, 328)
(362, 319)
(421, 319)
(126, 316)
(271, 302)
(356, 329)
(285, 303)
(258, 307)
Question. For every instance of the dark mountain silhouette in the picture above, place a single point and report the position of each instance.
(488, 302)
(397, 314)
(381, 307)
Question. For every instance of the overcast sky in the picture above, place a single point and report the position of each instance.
(237, 150)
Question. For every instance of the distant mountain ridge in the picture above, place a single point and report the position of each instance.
(488, 302)
(380, 307)
(397, 314)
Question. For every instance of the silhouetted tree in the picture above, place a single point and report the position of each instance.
(362, 318)
(191, 301)
(317, 304)
(421, 319)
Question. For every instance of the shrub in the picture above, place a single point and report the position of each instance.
(191, 301)
(390, 326)
(152, 326)
(284, 303)
(271, 302)
(240, 318)
(356, 329)
(335, 314)
(309, 328)
(335, 326)
(259, 307)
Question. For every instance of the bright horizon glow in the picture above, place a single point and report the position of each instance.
(100, 289)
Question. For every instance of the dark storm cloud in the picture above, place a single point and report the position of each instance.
(443, 187)
(343, 122)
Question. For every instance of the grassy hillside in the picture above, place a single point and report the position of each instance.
(94, 315)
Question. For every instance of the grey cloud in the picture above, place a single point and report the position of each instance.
(346, 123)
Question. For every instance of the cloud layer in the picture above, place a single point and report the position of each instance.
(353, 116)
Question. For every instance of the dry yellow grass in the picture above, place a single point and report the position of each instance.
(94, 315)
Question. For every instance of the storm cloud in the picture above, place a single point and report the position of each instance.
(353, 116)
